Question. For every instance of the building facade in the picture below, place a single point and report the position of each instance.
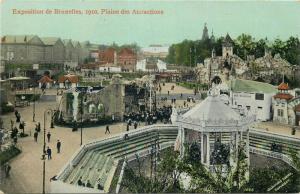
(31, 49)
(286, 107)
(127, 59)
(252, 98)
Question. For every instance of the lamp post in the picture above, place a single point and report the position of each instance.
(33, 110)
(83, 92)
(81, 113)
(47, 111)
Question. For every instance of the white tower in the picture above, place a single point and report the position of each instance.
(227, 47)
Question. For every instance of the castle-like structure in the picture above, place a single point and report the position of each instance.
(219, 68)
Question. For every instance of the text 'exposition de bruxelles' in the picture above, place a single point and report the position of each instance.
(85, 12)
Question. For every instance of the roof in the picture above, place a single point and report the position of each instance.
(249, 86)
(50, 40)
(284, 96)
(283, 86)
(156, 49)
(227, 41)
(76, 43)
(67, 41)
(126, 51)
(212, 108)
(71, 78)
(45, 79)
(20, 39)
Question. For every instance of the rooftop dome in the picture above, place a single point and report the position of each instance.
(283, 86)
(212, 108)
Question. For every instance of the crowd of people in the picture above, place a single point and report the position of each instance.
(160, 114)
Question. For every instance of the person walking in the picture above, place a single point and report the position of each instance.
(39, 127)
(11, 124)
(49, 153)
(18, 117)
(127, 128)
(135, 124)
(88, 184)
(107, 129)
(16, 113)
(35, 135)
(48, 136)
(7, 170)
(79, 182)
(22, 126)
(58, 145)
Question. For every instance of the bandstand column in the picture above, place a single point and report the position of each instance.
(182, 141)
(207, 149)
(232, 148)
(236, 145)
(202, 148)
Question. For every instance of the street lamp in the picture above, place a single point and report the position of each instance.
(83, 93)
(34, 94)
(47, 111)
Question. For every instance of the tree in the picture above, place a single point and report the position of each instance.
(260, 47)
(245, 45)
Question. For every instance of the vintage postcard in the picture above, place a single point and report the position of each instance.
(150, 96)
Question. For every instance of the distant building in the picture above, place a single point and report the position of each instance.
(68, 81)
(155, 51)
(145, 66)
(127, 59)
(23, 49)
(227, 47)
(286, 107)
(219, 68)
(54, 50)
(31, 49)
(252, 97)
(108, 56)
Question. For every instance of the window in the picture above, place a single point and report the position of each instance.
(259, 96)
(259, 107)
(280, 113)
(248, 107)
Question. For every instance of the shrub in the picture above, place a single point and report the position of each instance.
(8, 154)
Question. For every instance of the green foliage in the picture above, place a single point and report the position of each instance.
(191, 85)
(234, 180)
(190, 52)
(134, 46)
(18, 66)
(8, 154)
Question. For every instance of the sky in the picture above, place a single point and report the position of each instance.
(180, 20)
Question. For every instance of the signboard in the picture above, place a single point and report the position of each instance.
(35, 66)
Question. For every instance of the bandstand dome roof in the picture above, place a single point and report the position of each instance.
(212, 108)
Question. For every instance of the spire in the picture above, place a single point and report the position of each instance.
(212, 38)
(205, 35)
